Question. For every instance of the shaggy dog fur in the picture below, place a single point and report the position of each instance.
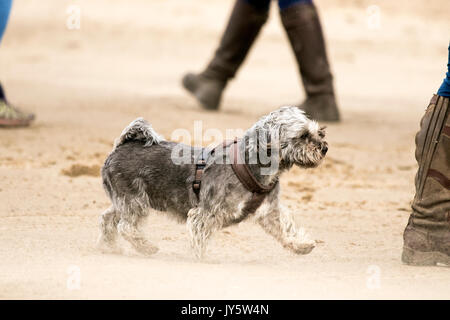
(143, 171)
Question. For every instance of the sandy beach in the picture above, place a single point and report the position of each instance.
(125, 61)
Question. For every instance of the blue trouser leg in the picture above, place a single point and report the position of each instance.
(5, 8)
(444, 90)
(283, 4)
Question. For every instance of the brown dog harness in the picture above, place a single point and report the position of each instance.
(259, 191)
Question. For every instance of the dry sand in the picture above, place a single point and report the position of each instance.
(126, 61)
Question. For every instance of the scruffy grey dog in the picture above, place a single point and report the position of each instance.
(140, 174)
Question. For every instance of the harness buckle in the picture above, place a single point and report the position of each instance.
(199, 167)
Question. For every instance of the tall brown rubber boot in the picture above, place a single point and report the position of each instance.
(243, 27)
(304, 31)
(427, 235)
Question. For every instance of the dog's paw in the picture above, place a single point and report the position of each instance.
(304, 247)
(108, 248)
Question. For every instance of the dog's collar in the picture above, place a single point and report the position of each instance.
(244, 174)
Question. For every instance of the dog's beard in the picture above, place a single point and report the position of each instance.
(302, 155)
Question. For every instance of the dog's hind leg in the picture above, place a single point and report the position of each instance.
(200, 225)
(129, 229)
(108, 230)
(278, 222)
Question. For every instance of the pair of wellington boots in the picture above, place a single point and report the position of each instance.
(304, 31)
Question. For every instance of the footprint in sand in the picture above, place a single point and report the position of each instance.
(77, 170)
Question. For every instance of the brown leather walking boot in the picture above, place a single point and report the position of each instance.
(243, 27)
(304, 31)
(427, 235)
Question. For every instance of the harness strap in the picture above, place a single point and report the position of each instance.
(259, 191)
(199, 168)
(201, 164)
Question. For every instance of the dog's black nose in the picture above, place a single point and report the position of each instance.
(324, 150)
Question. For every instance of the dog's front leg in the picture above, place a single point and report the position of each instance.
(200, 225)
(278, 222)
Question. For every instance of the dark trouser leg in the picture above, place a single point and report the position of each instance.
(303, 28)
(2, 93)
(243, 27)
(427, 235)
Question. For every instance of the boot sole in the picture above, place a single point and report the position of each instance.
(10, 123)
(420, 258)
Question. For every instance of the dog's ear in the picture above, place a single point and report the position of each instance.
(322, 132)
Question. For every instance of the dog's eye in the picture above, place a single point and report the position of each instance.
(322, 132)
(304, 136)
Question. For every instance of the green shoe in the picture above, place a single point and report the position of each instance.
(13, 117)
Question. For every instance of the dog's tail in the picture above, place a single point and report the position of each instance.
(139, 130)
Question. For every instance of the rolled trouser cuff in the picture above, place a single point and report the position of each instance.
(431, 205)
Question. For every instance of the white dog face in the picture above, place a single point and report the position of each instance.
(299, 139)
(308, 148)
